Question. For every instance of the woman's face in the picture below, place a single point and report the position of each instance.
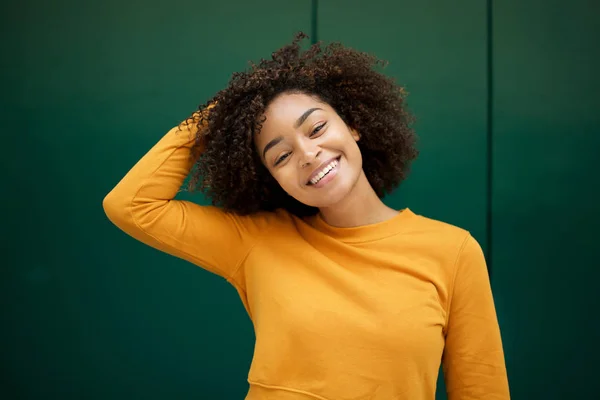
(309, 150)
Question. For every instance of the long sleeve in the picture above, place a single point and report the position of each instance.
(473, 362)
(142, 205)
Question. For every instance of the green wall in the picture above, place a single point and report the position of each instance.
(88, 312)
(546, 207)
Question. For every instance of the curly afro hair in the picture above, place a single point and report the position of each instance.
(228, 169)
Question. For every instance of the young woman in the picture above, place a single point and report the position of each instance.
(350, 299)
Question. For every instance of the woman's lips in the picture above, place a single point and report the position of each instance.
(330, 175)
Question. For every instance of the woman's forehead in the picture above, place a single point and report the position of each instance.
(288, 109)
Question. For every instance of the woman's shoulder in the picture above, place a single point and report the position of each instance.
(442, 226)
(440, 232)
(268, 222)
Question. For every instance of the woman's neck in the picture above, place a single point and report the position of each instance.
(360, 207)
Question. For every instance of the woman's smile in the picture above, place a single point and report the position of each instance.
(325, 173)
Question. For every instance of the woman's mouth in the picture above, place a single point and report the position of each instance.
(326, 174)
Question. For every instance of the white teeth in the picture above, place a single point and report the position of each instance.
(324, 172)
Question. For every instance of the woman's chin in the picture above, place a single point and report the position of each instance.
(329, 200)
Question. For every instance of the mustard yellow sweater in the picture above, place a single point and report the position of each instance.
(339, 313)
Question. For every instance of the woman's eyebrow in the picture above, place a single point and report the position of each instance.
(303, 117)
(272, 143)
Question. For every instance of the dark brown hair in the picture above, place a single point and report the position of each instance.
(229, 170)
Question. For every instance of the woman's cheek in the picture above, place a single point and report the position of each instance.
(285, 180)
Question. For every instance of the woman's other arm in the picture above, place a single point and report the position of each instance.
(473, 362)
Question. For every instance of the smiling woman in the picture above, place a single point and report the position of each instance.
(349, 298)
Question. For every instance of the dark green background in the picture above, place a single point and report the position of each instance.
(506, 95)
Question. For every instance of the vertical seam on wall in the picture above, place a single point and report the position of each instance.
(490, 136)
(314, 21)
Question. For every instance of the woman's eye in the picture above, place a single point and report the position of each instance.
(317, 129)
(283, 157)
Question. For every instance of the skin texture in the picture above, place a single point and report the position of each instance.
(266, 99)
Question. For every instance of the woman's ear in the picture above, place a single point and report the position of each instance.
(355, 134)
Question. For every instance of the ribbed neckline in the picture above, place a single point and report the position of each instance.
(364, 233)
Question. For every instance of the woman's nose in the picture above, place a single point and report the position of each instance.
(309, 155)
